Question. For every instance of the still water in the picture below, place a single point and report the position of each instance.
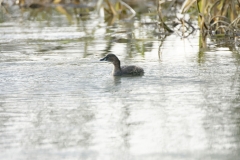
(58, 101)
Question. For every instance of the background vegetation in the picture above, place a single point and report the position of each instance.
(218, 19)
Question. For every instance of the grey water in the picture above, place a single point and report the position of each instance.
(58, 101)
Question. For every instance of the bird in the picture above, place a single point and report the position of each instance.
(127, 70)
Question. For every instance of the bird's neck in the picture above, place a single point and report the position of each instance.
(117, 67)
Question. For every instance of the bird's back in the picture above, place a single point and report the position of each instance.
(132, 70)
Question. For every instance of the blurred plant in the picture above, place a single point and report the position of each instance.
(178, 24)
(216, 17)
(161, 18)
(3, 6)
(110, 9)
(118, 8)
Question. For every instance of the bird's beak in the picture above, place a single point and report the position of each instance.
(103, 59)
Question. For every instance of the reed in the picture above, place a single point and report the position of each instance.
(216, 17)
(117, 9)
